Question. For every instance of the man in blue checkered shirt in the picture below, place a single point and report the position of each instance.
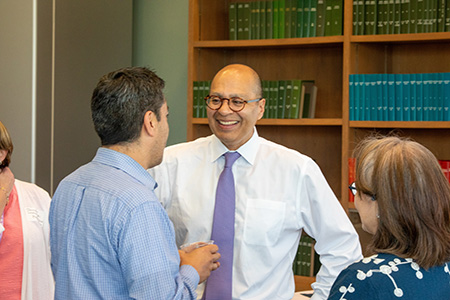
(110, 236)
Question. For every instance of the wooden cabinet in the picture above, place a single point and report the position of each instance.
(330, 137)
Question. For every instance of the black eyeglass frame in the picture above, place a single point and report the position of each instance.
(229, 101)
(352, 188)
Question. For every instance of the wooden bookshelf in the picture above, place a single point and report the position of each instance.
(330, 138)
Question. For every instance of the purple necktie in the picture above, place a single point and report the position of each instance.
(218, 285)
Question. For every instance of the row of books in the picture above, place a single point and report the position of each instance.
(275, 19)
(445, 165)
(306, 262)
(289, 99)
(200, 91)
(399, 97)
(400, 16)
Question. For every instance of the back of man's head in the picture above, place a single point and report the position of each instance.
(120, 101)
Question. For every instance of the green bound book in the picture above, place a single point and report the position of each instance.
(412, 16)
(397, 16)
(354, 18)
(405, 16)
(320, 18)
(287, 18)
(337, 15)
(328, 17)
(254, 22)
(269, 19)
(273, 108)
(275, 19)
(370, 19)
(419, 15)
(294, 4)
(233, 21)
(281, 18)
(205, 92)
(281, 103)
(288, 100)
(312, 18)
(381, 16)
(262, 19)
(295, 98)
(391, 16)
(300, 15)
(441, 16)
(266, 95)
(447, 16)
(361, 17)
(195, 99)
(306, 16)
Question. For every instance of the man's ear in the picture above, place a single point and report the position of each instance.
(150, 123)
(261, 106)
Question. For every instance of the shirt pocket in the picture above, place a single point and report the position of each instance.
(263, 221)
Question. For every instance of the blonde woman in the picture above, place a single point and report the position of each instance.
(24, 237)
(403, 199)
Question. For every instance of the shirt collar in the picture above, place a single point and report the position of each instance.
(247, 151)
(125, 163)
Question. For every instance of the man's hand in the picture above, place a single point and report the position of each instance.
(203, 259)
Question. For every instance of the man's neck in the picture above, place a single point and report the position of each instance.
(132, 150)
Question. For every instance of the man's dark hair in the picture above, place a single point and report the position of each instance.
(120, 101)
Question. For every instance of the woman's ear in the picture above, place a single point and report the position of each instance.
(3, 154)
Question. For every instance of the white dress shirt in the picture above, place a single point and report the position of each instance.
(279, 193)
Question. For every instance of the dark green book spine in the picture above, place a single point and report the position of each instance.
(412, 16)
(397, 16)
(306, 16)
(275, 20)
(288, 100)
(287, 18)
(320, 18)
(262, 19)
(281, 99)
(300, 15)
(269, 19)
(281, 18)
(312, 18)
(391, 16)
(328, 17)
(441, 16)
(337, 15)
(233, 21)
(405, 16)
(294, 4)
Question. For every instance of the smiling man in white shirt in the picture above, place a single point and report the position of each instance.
(279, 193)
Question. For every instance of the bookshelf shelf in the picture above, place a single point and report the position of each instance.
(402, 38)
(400, 124)
(313, 41)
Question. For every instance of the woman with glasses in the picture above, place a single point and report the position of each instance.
(403, 199)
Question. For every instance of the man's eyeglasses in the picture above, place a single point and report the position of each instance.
(236, 104)
(352, 188)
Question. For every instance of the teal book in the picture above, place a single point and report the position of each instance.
(440, 95)
(233, 21)
(357, 102)
(320, 18)
(379, 92)
(367, 97)
(281, 103)
(281, 18)
(273, 99)
(437, 99)
(397, 16)
(362, 97)
(287, 18)
(398, 97)
(295, 98)
(446, 95)
(312, 18)
(384, 97)
(372, 97)
(412, 97)
(406, 92)
(420, 16)
(405, 16)
(275, 19)
(269, 19)
(419, 97)
(351, 97)
(306, 16)
(300, 15)
(262, 19)
(337, 17)
(427, 102)
(288, 99)
(391, 97)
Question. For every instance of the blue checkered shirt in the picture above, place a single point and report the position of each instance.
(111, 238)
